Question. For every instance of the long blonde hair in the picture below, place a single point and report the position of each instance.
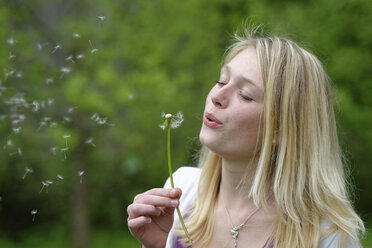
(305, 170)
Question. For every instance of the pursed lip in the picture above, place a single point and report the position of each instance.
(211, 121)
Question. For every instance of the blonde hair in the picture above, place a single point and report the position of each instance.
(305, 171)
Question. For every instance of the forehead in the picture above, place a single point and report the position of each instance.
(245, 65)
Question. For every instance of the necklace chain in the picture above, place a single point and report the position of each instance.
(235, 229)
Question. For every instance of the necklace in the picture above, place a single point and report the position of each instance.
(235, 229)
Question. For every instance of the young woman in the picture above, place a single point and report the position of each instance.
(271, 171)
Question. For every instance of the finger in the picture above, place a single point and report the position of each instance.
(136, 210)
(134, 224)
(158, 201)
(172, 193)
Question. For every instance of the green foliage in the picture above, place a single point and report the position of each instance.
(153, 57)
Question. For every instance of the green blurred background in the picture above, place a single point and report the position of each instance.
(92, 119)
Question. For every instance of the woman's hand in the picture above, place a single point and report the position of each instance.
(150, 216)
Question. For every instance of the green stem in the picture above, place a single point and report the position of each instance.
(172, 184)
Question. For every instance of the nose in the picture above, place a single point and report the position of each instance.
(219, 97)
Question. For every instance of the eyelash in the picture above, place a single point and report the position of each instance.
(244, 97)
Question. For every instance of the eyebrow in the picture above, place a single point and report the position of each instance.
(247, 80)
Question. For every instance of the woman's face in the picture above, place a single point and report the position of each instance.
(233, 108)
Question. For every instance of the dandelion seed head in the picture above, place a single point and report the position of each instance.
(49, 182)
(29, 170)
(130, 96)
(59, 176)
(80, 173)
(174, 121)
(19, 151)
(45, 184)
(94, 50)
(102, 18)
(177, 120)
(76, 35)
(64, 149)
(66, 136)
(34, 211)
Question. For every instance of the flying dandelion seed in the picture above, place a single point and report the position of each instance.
(45, 185)
(11, 56)
(89, 142)
(53, 124)
(65, 70)
(49, 80)
(94, 50)
(70, 58)
(33, 213)
(11, 41)
(70, 109)
(50, 101)
(66, 119)
(66, 137)
(64, 150)
(19, 75)
(80, 56)
(36, 106)
(57, 47)
(80, 174)
(53, 150)
(16, 129)
(28, 170)
(39, 46)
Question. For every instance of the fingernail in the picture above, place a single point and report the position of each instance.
(174, 203)
(173, 192)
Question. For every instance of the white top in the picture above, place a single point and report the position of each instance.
(187, 178)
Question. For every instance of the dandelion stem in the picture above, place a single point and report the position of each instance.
(172, 182)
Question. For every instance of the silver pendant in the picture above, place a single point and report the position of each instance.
(234, 233)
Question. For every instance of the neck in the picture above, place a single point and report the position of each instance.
(234, 191)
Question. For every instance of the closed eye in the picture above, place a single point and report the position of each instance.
(245, 98)
(220, 83)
